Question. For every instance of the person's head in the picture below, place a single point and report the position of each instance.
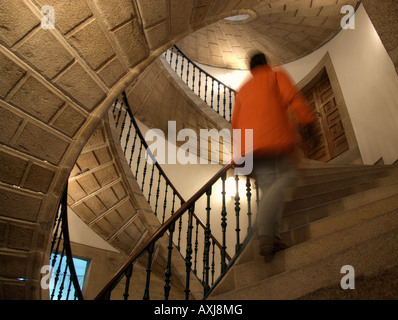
(258, 59)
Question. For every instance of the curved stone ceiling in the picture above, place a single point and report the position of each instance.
(284, 30)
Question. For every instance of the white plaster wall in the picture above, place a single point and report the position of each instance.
(80, 232)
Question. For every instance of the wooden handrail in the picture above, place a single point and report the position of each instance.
(160, 232)
(65, 233)
(203, 71)
(141, 136)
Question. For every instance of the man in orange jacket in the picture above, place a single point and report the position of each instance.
(266, 104)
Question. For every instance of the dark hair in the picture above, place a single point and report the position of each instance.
(258, 59)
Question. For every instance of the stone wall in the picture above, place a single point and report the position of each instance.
(56, 85)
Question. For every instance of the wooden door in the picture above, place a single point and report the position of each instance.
(329, 127)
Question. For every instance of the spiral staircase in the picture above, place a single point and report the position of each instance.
(338, 215)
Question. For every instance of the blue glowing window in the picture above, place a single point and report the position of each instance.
(63, 288)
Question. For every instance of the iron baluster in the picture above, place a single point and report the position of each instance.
(188, 257)
(171, 56)
(57, 224)
(200, 82)
(187, 81)
(151, 184)
(128, 275)
(168, 273)
(213, 262)
(206, 88)
(128, 137)
(138, 161)
(193, 78)
(249, 206)
(224, 104)
(237, 211)
(157, 196)
(230, 104)
(212, 94)
(144, 174)
(223, 225)
(179, 234)
(218, 98)
(257, 195)
(122, 126)
(207, 244)
(196, 247)
(133, 148)
(165, 202)
(115, 105)
(61, 287)
(150, 250)
(57, 273)
(182, 66)
(175, 69)
(119, 114)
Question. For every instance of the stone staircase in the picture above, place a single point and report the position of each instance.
(337, 216)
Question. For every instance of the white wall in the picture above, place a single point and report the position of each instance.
(368, 81)
(80, 232)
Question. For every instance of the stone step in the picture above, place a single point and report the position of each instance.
(336, 183)
(311, 176)
(326, 197)
(370, 247)
(322, 228)
(339, 221)
(306, 216)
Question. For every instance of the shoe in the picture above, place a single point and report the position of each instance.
(266, 247)
(279, 245)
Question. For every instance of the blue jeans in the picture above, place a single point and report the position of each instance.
(273, 176)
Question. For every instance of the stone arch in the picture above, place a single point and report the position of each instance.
(56, 86)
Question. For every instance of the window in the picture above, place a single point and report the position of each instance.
(63, 288)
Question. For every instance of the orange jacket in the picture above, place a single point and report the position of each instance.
(263, 105)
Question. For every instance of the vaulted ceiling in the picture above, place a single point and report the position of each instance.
(283, 29)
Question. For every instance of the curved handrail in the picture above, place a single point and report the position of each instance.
(160, 232)
(141, 136)
(62, 221)
(216, 94)
(159, 168)
(68, 249)
(201, 69)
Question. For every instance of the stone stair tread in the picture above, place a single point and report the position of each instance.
(370, 256)
(329, 169)
(293, 257)
(348, 202)
(340, 220)
(326, 197)
(335, 183)
(358, 205)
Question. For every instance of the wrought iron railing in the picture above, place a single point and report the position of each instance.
(205, 257)
(219, 96)
(64, 281)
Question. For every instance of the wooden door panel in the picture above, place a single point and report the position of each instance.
(333, 140)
